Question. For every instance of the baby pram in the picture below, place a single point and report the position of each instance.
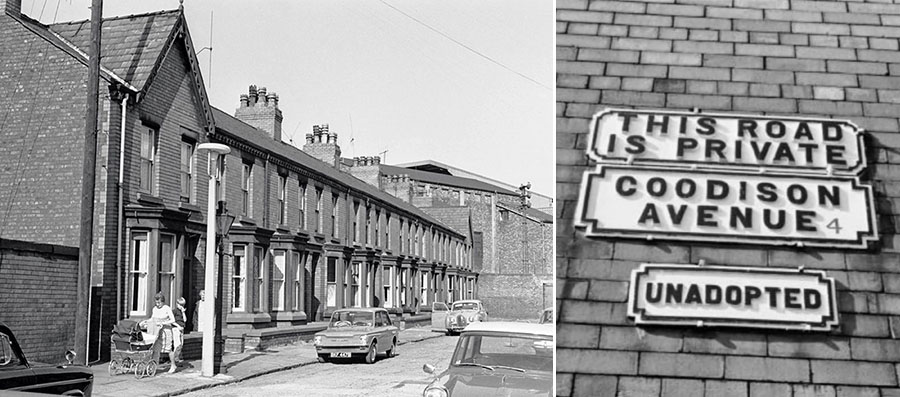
(133, 350)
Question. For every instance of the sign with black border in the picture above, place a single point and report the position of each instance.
(727, 141)
(726, 206)
(726, 296)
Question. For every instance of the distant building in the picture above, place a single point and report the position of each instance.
(512, 243)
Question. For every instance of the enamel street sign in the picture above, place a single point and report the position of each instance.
(711, 140)
(726, 206)
(732, 296)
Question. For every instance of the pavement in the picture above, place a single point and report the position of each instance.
(238, 367)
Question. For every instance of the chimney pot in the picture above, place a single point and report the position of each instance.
(245, 99)
(309, 138)
(253, 95)
(377, 160)
(270, 100)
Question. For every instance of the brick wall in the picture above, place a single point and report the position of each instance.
(42, 133)
(800, 58)
(37, 301)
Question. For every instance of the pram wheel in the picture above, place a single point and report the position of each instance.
(113, 367)
(150, 369)
(139, 370)
(127, 364)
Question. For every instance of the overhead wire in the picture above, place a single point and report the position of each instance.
(474, 51)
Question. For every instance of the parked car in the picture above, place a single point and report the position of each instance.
(357, 332)
(497, 359)
(19, 374)
(460, 314)
(547, 316)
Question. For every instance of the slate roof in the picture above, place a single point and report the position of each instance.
(443, 179)
(255, 137)
(457, 218)
(131, 46)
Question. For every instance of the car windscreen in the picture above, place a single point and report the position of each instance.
(465, 306)
(495, 350)
(352, 318)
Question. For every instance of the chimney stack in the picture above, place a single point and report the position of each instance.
(259, 108)
(368, 169)
(323, 145)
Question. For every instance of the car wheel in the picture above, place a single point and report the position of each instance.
(370, 355)
(320, 358)
(393, 351)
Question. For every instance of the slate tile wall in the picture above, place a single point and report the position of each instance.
(792, 57)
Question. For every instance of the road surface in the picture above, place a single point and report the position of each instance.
(396, 376)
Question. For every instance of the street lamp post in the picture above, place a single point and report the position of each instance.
(208, 305)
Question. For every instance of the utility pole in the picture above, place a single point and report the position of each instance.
(86, 237)
(524, 204)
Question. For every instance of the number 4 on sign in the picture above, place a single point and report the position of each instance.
(834, 225)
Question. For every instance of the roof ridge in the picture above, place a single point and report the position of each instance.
(161, 12)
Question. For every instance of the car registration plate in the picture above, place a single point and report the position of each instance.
(340, 355)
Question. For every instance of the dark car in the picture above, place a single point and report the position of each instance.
(498, 359)
(17, 373)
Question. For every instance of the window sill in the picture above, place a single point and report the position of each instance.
(189, 207)
(247, 318)
(246, 219)
(147, 198)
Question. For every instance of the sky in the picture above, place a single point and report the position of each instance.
(468, 83)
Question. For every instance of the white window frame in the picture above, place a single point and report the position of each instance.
(239, 278)
(167, 277)
(355, 290)
(319, 221)
(387, 230)
(423, 277)
(302, 205)
(246, 187)
(335, 213)
(259, 269)
(149, 138)
(140, 264)
(278, 276)
(282, 199)
(377, 230)
(299, 261)
(187, 171)
(387, 277)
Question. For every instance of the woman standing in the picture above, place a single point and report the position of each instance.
(162, 315)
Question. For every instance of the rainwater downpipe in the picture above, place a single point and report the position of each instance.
(266, 220)
(120, 210)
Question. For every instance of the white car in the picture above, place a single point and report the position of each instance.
(457, 316)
